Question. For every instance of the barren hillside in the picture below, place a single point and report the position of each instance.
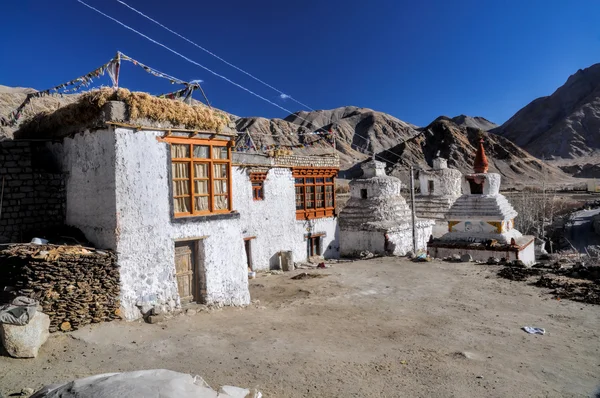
(563, 125)
(357, 130)
(476, 122)
(457, 144)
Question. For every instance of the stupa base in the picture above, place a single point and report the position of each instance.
(523, 250)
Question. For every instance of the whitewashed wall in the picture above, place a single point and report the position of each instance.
(147, 234)
(273, 220)
(446, 182)
(89, 159)
(119, 196)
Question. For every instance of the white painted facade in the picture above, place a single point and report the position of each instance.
(119, 195)
(272, 221)
(439, 188)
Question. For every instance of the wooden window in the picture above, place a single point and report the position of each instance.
(201, 174)
(258, 180)
(315, 192)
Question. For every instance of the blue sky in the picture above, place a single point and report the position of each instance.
(413, 59)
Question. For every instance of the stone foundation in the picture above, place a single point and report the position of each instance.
(524, 250)
(373, 238)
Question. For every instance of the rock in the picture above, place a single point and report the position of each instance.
(143, 383)
(455, 257)
(234, 392)
(156, 310)
(518, 264)
(365, 254)
(27, 392)
(466, 258)
(25, 341)
(493, 261)
(410, 254)
(146, 308)
(156, 318)
(190, 312)
(65, 326)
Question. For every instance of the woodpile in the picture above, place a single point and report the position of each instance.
(74, 285)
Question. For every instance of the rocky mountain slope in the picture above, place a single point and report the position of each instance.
(457, 144)
(563, 125)
(477, 122)
(359, 132)
(12, 97)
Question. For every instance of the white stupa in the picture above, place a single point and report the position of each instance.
(481, 221)
(377, 218)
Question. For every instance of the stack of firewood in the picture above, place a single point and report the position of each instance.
(74, 285)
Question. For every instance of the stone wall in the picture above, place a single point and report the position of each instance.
(326, 161)
(33, 198)
(75, 286)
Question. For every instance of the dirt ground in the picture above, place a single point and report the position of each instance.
(378, 328)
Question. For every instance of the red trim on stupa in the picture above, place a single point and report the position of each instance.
(481, 161)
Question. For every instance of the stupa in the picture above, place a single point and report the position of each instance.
(377, 218)
(481, 221)
(440, 187)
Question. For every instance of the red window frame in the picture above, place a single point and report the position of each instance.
(257, 179)
(315, 192)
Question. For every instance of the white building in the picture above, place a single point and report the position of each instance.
(186, 216)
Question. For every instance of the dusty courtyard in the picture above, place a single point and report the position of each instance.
(378, 328)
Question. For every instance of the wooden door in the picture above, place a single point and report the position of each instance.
(184, 271)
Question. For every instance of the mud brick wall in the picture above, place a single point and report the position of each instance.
(34, 191)
(75, 286)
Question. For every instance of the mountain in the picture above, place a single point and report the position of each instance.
(445, 138)
(476, 122)
(12, 97)
(361, 131)
(564, 125)
(358, 131)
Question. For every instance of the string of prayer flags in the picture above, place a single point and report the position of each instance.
(75, 85)
(152, 71)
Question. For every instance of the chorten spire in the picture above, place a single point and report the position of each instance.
(481, 162)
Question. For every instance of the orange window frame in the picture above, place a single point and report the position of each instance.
(258, 185)
(210, 178)
(314, 181)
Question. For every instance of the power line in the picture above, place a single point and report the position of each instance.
(221, 76)
(282, 94)
(184, 57)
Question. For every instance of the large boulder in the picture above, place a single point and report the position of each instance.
(24, 341)
(143, 383)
